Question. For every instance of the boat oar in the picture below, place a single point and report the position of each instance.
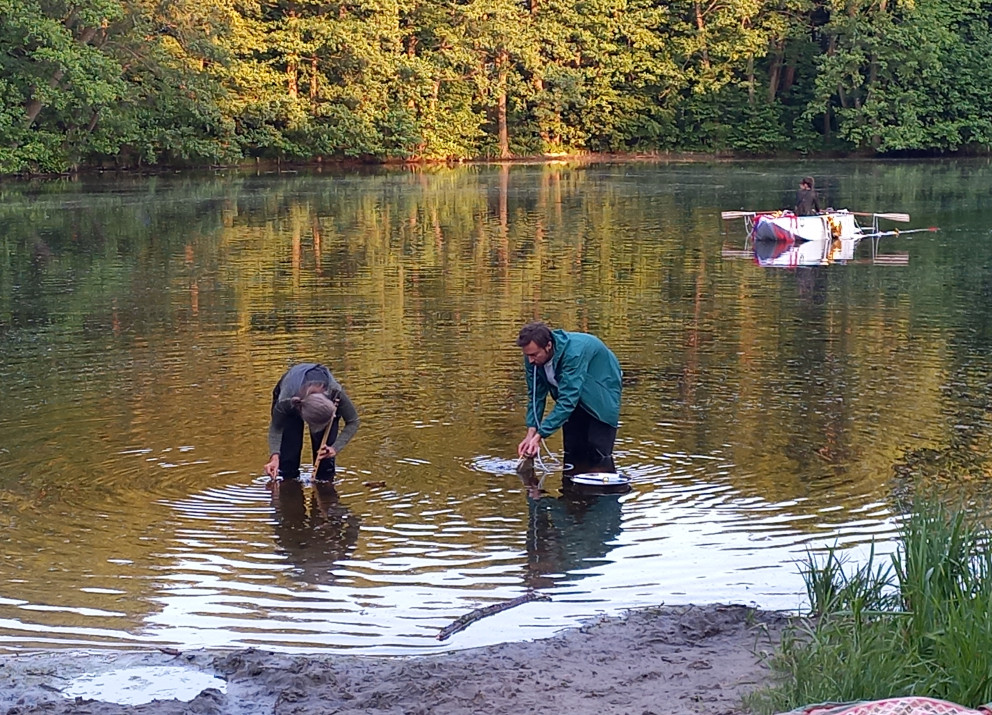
(727, 215)
(889, 216)
(897, 232)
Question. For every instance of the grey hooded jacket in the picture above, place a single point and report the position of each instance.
(291, 384)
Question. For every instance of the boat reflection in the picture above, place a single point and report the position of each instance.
(791, 253)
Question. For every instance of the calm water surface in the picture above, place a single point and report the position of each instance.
(766, 411)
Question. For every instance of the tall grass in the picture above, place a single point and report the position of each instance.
(920, 624)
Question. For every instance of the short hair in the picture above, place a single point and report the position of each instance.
(535, 332)
(316, 409)
(808, 180)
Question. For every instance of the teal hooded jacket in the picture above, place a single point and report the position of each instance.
(588, 376)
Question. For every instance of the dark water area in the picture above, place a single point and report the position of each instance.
(766, 411)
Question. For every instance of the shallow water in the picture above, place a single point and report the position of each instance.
(142, 684)
(144, 322)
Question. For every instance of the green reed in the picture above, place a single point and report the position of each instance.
(919, 623)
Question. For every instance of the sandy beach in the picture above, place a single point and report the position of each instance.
(669, 659)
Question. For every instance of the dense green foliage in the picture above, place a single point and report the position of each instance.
(141, 82)
(919, 625)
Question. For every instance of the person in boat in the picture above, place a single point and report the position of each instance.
(807, 202)
(308, 394)
(583, 377)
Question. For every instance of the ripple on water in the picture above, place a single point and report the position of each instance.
(762, 412)
(305, 568)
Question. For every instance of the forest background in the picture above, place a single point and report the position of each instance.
(132, 83)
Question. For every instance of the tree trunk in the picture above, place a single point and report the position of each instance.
(502, 78)
(750, 80)
(701, 26)
(34, 106)
(292, 66)
(789, 77)
(841, 94)
(313, 78)
(775, 71)
(876, 138)
(291, 79)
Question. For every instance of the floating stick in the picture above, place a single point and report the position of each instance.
(468, 619)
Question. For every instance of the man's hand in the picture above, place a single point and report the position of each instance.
(531, 444)
(272, 466)
(326, 452)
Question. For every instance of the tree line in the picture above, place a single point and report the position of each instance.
(130, 83)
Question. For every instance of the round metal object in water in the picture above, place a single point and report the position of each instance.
(595, 484)
(599, 479)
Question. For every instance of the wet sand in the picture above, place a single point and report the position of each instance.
(685, 659)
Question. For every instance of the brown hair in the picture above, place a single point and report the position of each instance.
(316, 409)
(535, 332)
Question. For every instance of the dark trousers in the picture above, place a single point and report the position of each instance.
(292, 445)
(588, 443)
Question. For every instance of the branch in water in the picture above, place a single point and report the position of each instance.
(468, 619)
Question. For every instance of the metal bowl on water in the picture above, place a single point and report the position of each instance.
(600, 482)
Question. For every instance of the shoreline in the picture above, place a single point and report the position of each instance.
(581, 158)
(696, 660)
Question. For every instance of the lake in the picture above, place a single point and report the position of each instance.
(766, 411)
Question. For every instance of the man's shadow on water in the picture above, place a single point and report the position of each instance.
(316, 532)
(570, 532)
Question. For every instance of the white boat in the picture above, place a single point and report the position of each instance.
(787, 226)
(781, 238)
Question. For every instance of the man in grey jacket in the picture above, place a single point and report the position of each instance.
(308, 393)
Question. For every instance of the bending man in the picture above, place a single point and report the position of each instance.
(583, 377)
(308, 393)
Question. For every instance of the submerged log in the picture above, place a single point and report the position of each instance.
(468, 619)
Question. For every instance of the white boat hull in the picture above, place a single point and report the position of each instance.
(786, 226)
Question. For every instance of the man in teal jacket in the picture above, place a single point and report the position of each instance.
(583, 377)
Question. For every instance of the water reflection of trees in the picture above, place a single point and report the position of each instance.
(432, 271)
(141, 315)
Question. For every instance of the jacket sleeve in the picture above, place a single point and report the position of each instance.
(280, 410)
(347, 412)
(574, 369)
(537, 395)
